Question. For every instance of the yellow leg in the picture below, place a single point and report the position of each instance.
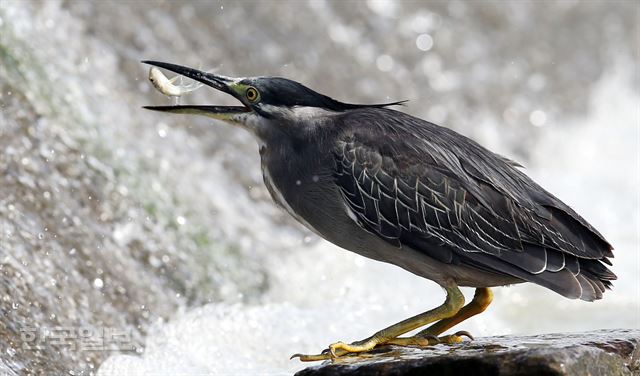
(453, 303)
(481, 300)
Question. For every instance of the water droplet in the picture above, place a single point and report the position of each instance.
(181, 220)
(155, 262)
(424, 42)
(162, 130)
(538, 118)
(40, 236)
(298, 182)
(123, 190)
(97, 283)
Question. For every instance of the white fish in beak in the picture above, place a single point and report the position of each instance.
(167, 87)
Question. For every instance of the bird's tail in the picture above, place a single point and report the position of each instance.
(568, 275)
(594, 278)
(585, 279)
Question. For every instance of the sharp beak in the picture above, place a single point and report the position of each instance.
(215, 81)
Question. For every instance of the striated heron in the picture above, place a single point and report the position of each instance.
(402, 190)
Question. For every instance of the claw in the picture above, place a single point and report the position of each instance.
(464, 333)
(454, 338)
(310, 358)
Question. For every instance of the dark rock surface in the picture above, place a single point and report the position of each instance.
(603, 352)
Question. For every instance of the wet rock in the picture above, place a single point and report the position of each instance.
(603, 352)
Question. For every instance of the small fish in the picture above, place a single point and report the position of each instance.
(167, 87)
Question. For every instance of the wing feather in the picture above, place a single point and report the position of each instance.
(456, 211)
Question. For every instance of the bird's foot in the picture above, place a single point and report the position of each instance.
(339, 349)
(424, 340)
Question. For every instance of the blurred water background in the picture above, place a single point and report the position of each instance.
(160, 226)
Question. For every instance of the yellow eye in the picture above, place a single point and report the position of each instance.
(252, 94)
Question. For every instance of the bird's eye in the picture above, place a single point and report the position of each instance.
(252, 94)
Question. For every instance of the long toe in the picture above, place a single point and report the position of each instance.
(339, 349)
(418, 340)
(312, 358)
(425, 340)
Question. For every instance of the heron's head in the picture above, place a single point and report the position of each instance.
(271, 106)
